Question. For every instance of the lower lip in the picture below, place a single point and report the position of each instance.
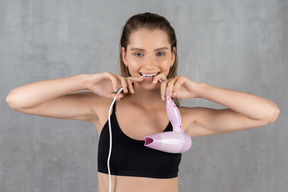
(148, 78)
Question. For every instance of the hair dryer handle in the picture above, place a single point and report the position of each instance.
(174, 115)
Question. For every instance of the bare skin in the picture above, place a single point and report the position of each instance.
(148, 52)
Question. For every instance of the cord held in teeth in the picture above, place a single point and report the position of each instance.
(148, 75)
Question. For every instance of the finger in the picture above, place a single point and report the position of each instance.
(131, 81)
(112, 96)
(160, 77)
(130, 86)
(135, 79)
(163, 89)
(113, 79)
(123, 83)
(120, 96)
(170, 87)
(177, 85)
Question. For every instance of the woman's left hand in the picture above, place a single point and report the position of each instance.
(179, 87)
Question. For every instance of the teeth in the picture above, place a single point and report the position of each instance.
(148, 75)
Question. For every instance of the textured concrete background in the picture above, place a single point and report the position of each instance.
(233, 44)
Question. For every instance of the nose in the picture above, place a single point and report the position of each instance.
(149, 62)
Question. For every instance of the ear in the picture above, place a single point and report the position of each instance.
(124, 55)
(173, 56)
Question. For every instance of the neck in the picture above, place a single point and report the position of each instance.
(147, 98)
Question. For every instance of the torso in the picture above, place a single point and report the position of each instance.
(155, 121)
(139, 184)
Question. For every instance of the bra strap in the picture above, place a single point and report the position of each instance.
(114, 107)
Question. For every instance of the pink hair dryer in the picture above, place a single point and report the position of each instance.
(175, 141)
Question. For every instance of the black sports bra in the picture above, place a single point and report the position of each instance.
(130, 157)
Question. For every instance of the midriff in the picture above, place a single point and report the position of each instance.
(139, 184)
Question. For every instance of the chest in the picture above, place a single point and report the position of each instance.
(137, 123)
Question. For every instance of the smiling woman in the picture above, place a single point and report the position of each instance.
(155, 50)
(148, 66)
(149, 43)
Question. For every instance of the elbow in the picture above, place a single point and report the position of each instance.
(12, 102)
(274, 114)
(9, 101)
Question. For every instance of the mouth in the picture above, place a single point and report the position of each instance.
(148, 75)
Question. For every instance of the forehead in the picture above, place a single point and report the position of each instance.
(148, 39)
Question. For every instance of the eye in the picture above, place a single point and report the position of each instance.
(138, 54)
(160, 54)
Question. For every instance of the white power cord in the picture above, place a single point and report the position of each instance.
(110, 134)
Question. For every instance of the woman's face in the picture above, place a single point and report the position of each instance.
(148, 52)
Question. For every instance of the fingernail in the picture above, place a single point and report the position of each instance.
(163, 98)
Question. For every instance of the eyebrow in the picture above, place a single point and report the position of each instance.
(158, 49)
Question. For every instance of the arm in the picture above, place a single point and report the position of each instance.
(53, 98)
(57, 98)
(244, 110)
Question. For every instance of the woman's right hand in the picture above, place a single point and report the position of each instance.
(106, 84)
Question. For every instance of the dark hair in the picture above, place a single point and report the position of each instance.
(148, 21)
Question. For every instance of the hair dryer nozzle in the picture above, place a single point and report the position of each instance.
(175, 141)
(171, 142)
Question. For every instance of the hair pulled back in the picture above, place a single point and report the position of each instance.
(148, 21)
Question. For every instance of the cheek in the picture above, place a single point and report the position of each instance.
(167, 72)
(133, 63)
(133, 66)
(164, 63)
(166, 66)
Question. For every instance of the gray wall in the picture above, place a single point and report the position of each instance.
(233, 44)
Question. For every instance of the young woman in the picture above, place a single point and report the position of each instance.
(148, 48)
